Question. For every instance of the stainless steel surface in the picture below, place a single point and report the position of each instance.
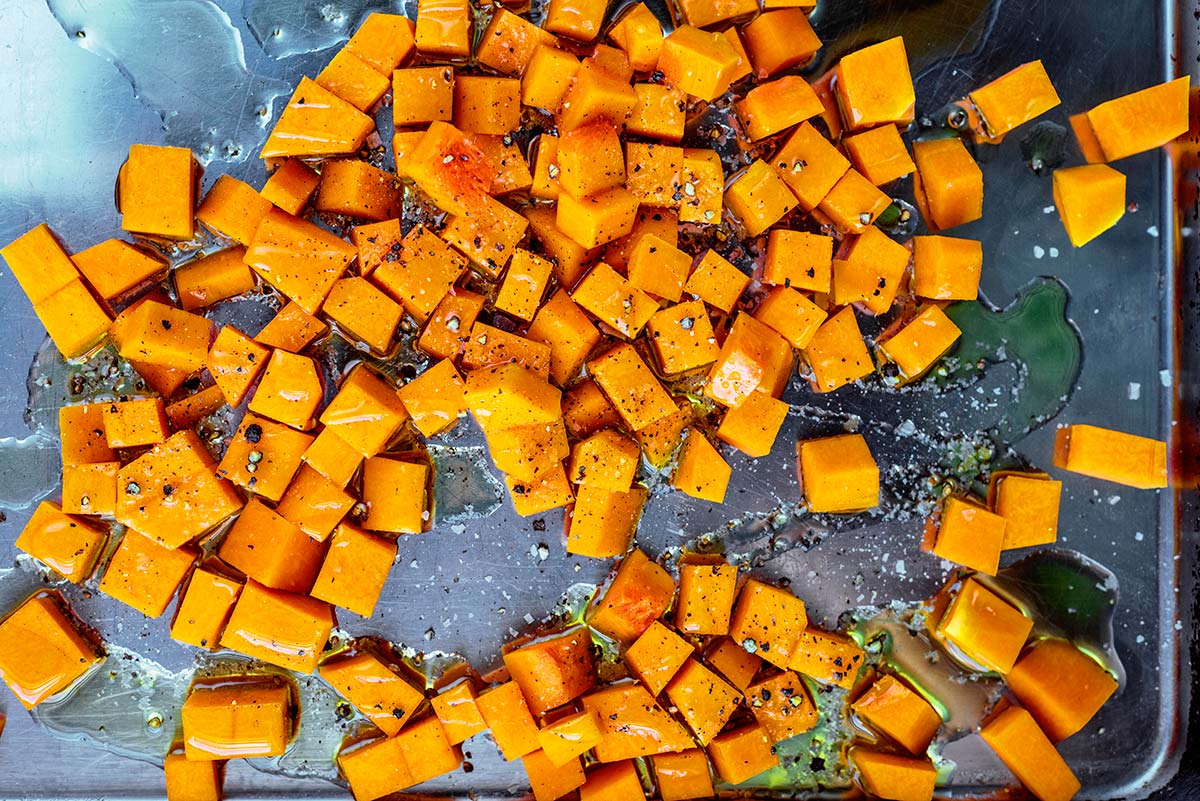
(82, 80)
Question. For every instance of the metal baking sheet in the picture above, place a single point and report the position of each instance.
(85, 78)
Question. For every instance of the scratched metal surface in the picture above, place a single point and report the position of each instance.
(83, 79)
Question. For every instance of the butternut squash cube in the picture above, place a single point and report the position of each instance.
(1029, 506)
(585, 410)
(945, 268)
(639, 594)
(81, 429)
(874, 86)
(656, 656)
(204, 608)
(290, 390)
(570, 335)
(42, 651)
(631, 387)
(299, 259)
(986, 628)
(891, 707)
(134, 423)
(90, 489)
(377, 688)
(717, 282)
(704, 700)
(487, 105)
(291, 186)
(74, 320)
(509, 41)
(607, 459)
(566, 739)
(921, 342)
(427, 95)
(683, 776)
(157, 334)
(753, 359)
(68, 545)
(504, 710)
(421, 273)
(599, 219)
(192, 781)
(263, 456)
(809, 165)
(766, 621)
(742, 753)
(575, 19)
(639, 33)
(394, 492)
(1135, 461)
(550, 490)
(799, 260)
(549, 781)
(791, 315)
(782, 706)
(970, 536)
(235, 361)
(1142, 120)
(700, 470)
(759, 198)
(632, 724)
(291, 329)
(237, 719)
(233, 208)
(278, 627)
(458, 711)
(553, 672)
(353, 80)
(376, 768)
(879, 154)
(488, 346)
(659, 112)
(1022, 746)
(703, 179)
(949, 184)
(444, 28)
(837, 354)
(776, 106)
(706, 595)
(1090, 200)
(698, 62)
(385, 41)
(1061, 686)
(114, 267)
(357, 189)
(682, 338)
(272, 550)
(892, 776)
(316, 122)
(853, 203)
(617, 782)
(779, 40)
(838, 474)
(145, 575)
(365, 413)
(435, 398)
(703, 13)
(156, 191)
(332, 457)
(733, 661)
(1013, 99)
(39, 263)
(364, 312)
(603, 521)
(510, 395)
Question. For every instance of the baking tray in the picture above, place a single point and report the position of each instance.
(83, 79)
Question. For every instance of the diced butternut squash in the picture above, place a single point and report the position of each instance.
(553, 672)
(246, 718)
(706, 595)
(235, 361)
(682, 338)
(570, 335)
(290, 390)
(656, 656)
(791, 315)
(717, 282)
(837, 354)
(599, 219)
(385, 41)
(733, 661)
(272, 550)
(891, 707)
(233, 208)
(1022, 746)
(778, 40)
(969, 535)
(549, 781)
(631, 387)
(659, 112)
(828, 658)
(700, 470)
(39, 263)
(291, 186)
(759, 198)
(753, 359)
(575, 19)
(291, 329)
(639, 593)
(1029, 505)
(204, 608)
(809, 165)
(299, 259)
(144, 574)
(566, 739)
(375, 768)
(1111, 456)
(395, 494)
(874, 86)
(42, 650)
(595, 94)
(703, 13)
(895, 777)
(114, 267)
(504, 710)
(983, 626)
(444, 28)
(703, 179)
(457, 709)
(616, 782)
(798, 260)
(683, 776)
(1060, 685)
(365, 412)
(509, 41)
(212, 278)
(852, 204)
(263, 456)
(948, 185)
(156, 191)
(603, 521)
(607, 459)
(377, 688)
(364, 312)
(879, 154)
(632, 724)
(1141, 120)
(191, 781)
(838, 474)
(585, 410)
(705, 701)
(68, 545)
(782, 705)
(488, 346)
(945, 268)
(81, 429)
(90, 489)
(639, 33)
(278, 627)
(357, 189)
(772, 107)
(742, 753)
(158, 334)
(1013, 99)
(767, 620)
(698, 62)
(921, 342)
(316, 122)
(1090, 200)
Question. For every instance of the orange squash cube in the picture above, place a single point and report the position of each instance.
(156, 191)
(509, 396)
(632, 724)
(809, 165)
(652, 173)
(656, 656)
(278, 627)
(631, 387)
(487, 105)
(704, 700)
(682, 338)
(879, 154)
(782, 705)
(365, 412)
(458, 711)
(657, 267)
(144, 574)
(639, 594)
(68, 545)
(553, 672)
(753, 359)
(427, 95)
(1126, 459)
(444, 28)
(838, 474)
(1013, 99)
(547, 77)
(700, 470)
(487, 235)
(357, 189)
(575, 19)
(1022, 746)
(949, 184)
(639, 33)
(566, 739)
(504, 710)
(289, 391)
(291, 329)
(742, 754)
(385, 41)
(891, 707)
(191, 781)
(364, 312)
(566, 330)
(700, 63)
(828, 658)
(1029, 506)
(377, 244)
(779, 39)
(683, 776)
(585, 410)
(134, 423)
(421, 273)
(717, 282)
(945, 268)
(291, 186)
(524, 284)
(299, 259)
(706, 595)
(376, 768)
(767, 621)
(81, 429)
(892, 776)
(332, 457)
(617, 782)
(603, 521)
(450, 168)
(661, 222)
(599, 219)
(435, 398)
(590, 159)
(659, 112)
(42, 651)
(703, 13)
(772, 107)
(837, 354)
(1142, 120)
(491, 347)
(377, 688)
(1061, 686)
(204, 608)
(791, 315)
(759, 198)
(235, 361)
(874, 86)
(1090, 200)
(233, 208)
(571, 260)
(90, 489)
(263, 456)
(853, 203)
(73, 319)
(595, 94)
(733, 661)
(509, 41)
(970, 536)
(703, 177)
(986, 628)
(158, 334)
(114, 267)
(272, 550)
(607, 459)
(550, 490)
(191, 409)
(753, 426)
(548, 781)
(394, 492)
(314, 503)
(316, 122)
(237, 719)
(39, 263)
(921, 342)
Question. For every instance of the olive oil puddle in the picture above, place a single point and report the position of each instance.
(186, 62)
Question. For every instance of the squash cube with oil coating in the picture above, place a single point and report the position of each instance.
(366, 412)
(68, 545)
(156, 191)
(289, 391)
(891, 707)
(504, 710)
(394, 492)
(1060, 685)
(188, 780)
(204, 608)
(355, 569)
(566, 739)
(457, 709)
(378, 689)
(42, 651)
(902, 778)
(639, 594)
(706, 595)
(278, 627)
(684, 775)
(970, 535)
(553, 672)
(246, 719)
(272, 550)
(145, 574)
(603, 521)
(767, 620)
(742, 753)
(986, 628)
(782, 706)
(263, 456)
(838, 474)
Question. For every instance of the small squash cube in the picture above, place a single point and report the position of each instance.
(444, 28)
(753, 359)
(204, 608)
(639, 594)
(364, 312)
(291, 329)
(235, 361)
(156, 191)
(1127, 459)
(377, 688)
(717, 282)
(566, 739)
(385, 41)
(656, 656)
(316, 122)
(782, 706)
(554, 671)
(394, 492)
(921, 342)
(753, 426)
(1090, 200)
(799, 260)
(1060, 685)
(192, 781)
(879, 154)
(945, 268)
(278, 627)
(263, 456)
(682, 338)
(891, 707)
(1142, 120)
(237, 719)
(1022, 746)
(893, 776)
(617, 782)
(434, 398)
(639, 33)
(659, 112)
(487, 105)
(698, 62)
(504, 710)
(779, 39)
(853, 203)
(837, 354)
(90, 489)
(772, 107)
(39, 263)
(599, 219)
(970, 536)
(838, 474)
(458, 711)
(631, 387)
(575, 19)
(114, 267)
(158, 334)
(766, 621)
(1029, 505)
(791, 315)
(607, 459)
(365, 413)
(291, 185)
(949, 184)
(570, 335)
(289, 391)
(700, 470)
(233, 208)
(272, 550)
(632, 724)
(548, 781)
(759, 198)
(1013, 99)
(683, 776)
(703, 179)
(705, 701)
(68, 545)
(42, 651)
(874, 86)
(357, 189)
(733, 661)
(298, 258)
(144, 574)
(426, 94)
(809, 165)
(603, 521)
(706, 595)
(742, 753)
(986, 628)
